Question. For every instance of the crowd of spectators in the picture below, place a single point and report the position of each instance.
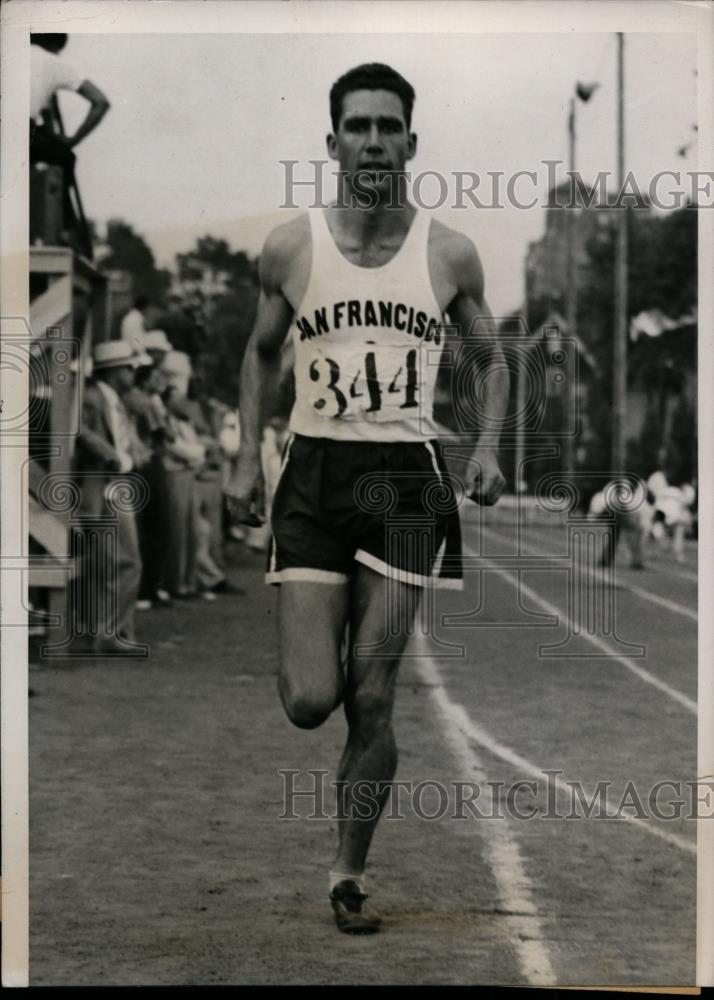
(148, 426)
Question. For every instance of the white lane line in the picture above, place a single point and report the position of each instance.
(503, 853)
(647, 595)
(625, 661)
(479, 735)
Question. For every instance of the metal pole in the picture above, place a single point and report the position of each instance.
(571, 291)
(619, 358)
(520, 450)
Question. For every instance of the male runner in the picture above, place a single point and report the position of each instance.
(363, 286)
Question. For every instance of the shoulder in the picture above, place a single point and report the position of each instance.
(459, 254)
(454, 264)
(281, 249)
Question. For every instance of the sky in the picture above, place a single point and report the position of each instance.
(198, 126)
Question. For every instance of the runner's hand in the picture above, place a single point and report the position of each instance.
(245, 494)
(485, 481)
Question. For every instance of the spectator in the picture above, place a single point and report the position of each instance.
(624, 504)
(673, 509)
(151, 425)
(133, 326)
(106, 448)
(157, 346)
(206, 421)
(49, 73)
(182, 455)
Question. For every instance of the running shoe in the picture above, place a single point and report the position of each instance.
(352, 916)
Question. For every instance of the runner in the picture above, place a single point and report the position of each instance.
(363, 286)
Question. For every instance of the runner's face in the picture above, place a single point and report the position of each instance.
(372, 137)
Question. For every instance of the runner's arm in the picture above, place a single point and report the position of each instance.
(260, 371)
(480, 347)
(259, 381)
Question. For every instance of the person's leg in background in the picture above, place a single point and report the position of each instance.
(148, 521)
(128, 575)
(190, 536)
(211, 500)
(179, 510)
(207, 574)
(679, 529)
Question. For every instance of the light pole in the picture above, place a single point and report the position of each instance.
(619, 354)
(583, 92)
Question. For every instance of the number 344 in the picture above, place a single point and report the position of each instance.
(366, 383)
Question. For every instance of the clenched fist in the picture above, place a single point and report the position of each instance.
(245, 494)
(484, 480)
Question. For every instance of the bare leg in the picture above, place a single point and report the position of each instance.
(312, 623)
(678, 532)
(370, 756)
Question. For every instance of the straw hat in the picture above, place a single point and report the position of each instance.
(176, 363)
(156, 340)
(114, 353)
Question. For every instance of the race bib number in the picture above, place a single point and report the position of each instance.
(375, 385)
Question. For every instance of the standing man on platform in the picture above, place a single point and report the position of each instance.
(363, 288)
(50, 72)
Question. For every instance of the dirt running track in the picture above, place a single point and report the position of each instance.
(157, 856)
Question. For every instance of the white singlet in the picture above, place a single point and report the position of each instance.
(367, 343)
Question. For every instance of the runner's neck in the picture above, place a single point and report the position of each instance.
(370, 227)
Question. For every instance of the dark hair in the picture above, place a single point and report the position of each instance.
(371, 76)
(141, 301)
(51, 41)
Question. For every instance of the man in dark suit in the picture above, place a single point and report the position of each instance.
(109, 562)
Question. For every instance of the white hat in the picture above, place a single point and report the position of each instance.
(156, 340)
(176, 363)
(114, 353)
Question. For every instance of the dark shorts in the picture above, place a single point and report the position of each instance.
(389, 506)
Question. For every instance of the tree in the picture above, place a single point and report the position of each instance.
(130, 253)
(662, 274)
(221, 288)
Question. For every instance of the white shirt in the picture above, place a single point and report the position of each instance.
(48, 74)
(367, 342)
(119, 423)
(133, 329)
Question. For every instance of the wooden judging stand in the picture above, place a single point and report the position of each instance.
(68, 314)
